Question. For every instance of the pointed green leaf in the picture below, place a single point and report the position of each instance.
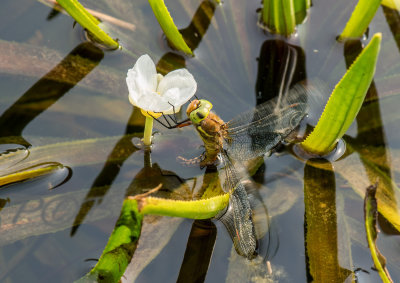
(345, 101)
(360, 19)
(86, 20)
(120, 247)
(168, 26)
(392, 4)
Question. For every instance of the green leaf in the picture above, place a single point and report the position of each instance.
(120, 247)
(393, 4)
(86, 20)
(168, 26)
(371, 215)
(360, 19)
(345, 101)
(281, 16)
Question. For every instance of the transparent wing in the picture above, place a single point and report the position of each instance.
(238, 217)
(256, 132)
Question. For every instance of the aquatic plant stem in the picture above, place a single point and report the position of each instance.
(148, 130)
(120, 247)
(196, 209)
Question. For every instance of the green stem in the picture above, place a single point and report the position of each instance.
(197, 209)
(148, 129)
(120, 247)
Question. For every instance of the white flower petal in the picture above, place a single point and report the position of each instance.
(141, 78)
(183, 84)
(172, 94)
(152, 101)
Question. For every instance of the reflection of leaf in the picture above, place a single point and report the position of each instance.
(359, 173)
(321, 225)
(371, 214)
(198, 252)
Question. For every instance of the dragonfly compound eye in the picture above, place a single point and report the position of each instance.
(200, 115)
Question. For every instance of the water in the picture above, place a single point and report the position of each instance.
(74, 112)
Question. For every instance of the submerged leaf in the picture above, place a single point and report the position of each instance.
(370, 215)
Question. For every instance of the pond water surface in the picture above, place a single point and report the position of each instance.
(64, 107)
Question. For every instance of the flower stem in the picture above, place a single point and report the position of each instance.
(148, 129)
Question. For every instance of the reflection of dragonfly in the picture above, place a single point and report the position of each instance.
(247, 136)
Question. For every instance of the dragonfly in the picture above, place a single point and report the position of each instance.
(250, 135)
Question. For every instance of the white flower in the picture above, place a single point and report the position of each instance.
(153, 92)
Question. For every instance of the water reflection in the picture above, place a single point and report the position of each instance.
(198, 252)
(393, 19)
(320, 224)
(280, 66)
(370, 128)
(122, 150)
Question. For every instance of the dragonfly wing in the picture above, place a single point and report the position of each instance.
(238, 217)
(263, 133)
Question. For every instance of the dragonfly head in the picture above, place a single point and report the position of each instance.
(198, 110)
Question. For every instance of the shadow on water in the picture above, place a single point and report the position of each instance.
(367, 136)
(72, 69)
(122, 150)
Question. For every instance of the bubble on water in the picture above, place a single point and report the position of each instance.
(334, 155)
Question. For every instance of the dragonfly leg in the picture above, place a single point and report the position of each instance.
(192, 161)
